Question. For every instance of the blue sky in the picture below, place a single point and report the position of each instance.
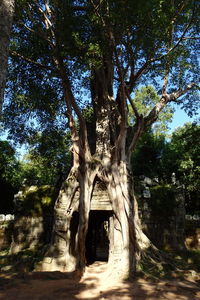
(180, 118)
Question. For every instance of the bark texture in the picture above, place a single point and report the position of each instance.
(103, 153)
(109, 162)
(6, 17)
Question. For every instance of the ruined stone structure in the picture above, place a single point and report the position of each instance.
(103, 228)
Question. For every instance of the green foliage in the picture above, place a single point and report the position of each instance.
(47, 162)
(9, 166)
(23, 260)
(10, 176)
(182, 156)
(81, 35)
(162, 201)
(48, 159)
(155, 156)
(115, 34)
(147, 157)
(179, 264)
(36, 170)
(38, 201)
(145, 99)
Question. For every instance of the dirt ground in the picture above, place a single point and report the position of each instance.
(93, 285)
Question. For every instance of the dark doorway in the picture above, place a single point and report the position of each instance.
(97, 240)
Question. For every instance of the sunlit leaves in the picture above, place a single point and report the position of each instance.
(9, 166)
(183, 158)
(145, 99)
(48, 158)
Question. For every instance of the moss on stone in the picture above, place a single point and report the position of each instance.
(38, 200)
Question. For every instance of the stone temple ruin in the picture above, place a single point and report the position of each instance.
(31, 231)
(101, 226)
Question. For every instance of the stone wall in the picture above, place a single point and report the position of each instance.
(6, 229)
(29, 232)
(162, 210)
(25, 232)
(166, 230)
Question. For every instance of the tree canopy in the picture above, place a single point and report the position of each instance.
(81, 37)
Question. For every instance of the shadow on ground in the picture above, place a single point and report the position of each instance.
(93, 285)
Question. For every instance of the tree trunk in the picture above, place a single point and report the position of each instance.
(110, 165)
(86, 179)
(6, 16)
(127, 240)
(67, 248)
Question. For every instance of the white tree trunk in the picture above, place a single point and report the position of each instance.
(6, 17)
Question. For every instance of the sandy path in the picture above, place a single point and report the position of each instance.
(94, 285)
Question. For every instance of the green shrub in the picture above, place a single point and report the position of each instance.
(162, 201)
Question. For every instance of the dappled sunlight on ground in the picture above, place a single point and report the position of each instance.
(94, 285)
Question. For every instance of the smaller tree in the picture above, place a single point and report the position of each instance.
(145, 99)
(48, 159)
(182, 158)
(147, 157)
(10, 176)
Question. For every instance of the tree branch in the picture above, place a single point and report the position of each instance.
(71, 104)
(122, 100)
(45, 18)
(175, 95)
(135, 77)
(139, 130)
(31, 61)
(178, 42)
(40, 34)
(132, 104)
(153, 115)
(191, 38)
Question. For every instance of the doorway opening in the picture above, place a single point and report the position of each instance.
(97, 239)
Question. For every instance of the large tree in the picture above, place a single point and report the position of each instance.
(6, 16)
(82, 61)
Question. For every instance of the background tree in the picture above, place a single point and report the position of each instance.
(181, 157)
(48, 159)
(145, 99)
(68, 56)
(147, 158)
(10, 176)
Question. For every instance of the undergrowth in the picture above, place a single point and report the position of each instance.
(170, 264)
(23, 261)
